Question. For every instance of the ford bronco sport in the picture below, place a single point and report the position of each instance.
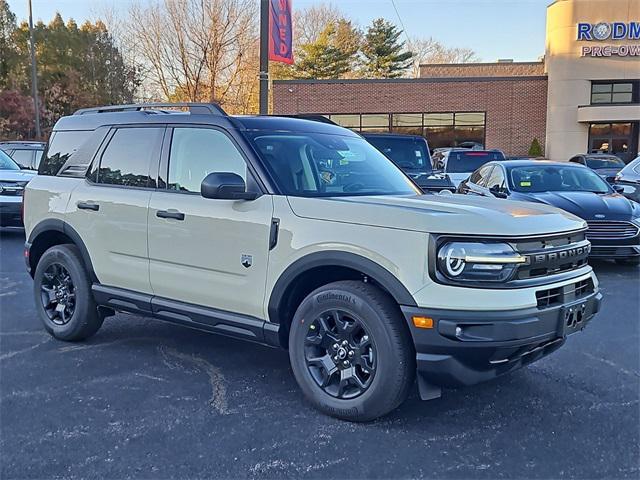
(301, 235)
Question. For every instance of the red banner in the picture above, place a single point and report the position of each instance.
(280, 31)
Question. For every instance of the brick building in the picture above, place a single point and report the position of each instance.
(584, 97)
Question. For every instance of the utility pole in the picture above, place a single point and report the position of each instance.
(34, 78)
(264, 57)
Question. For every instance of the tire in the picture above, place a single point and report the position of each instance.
(78, 317)
(386, 367)
(629, 261)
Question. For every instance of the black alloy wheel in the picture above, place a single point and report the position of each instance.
(340, 354)
(58, 294)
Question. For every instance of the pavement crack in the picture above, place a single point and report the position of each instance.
(611, 364)
(8, 355)
(218, 400)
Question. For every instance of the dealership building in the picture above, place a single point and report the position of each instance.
(583, 96)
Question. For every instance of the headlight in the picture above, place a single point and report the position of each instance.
(476, 261)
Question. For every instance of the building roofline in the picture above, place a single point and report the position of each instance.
(514, 78)
(481, 64)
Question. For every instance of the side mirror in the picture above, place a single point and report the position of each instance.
(618, 188)
(498, 192)
(225, 186)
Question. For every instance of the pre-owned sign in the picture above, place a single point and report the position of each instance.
(603, 31)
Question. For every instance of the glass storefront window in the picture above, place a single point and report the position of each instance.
(438, 119)
(614, 92)
(349, 121)
(476, 118)
(407, 119)
(375, 120)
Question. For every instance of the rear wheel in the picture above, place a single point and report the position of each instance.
(350, 351)
(62, 291)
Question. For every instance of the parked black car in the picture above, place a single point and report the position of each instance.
(26, 154)
(613, 220)
(411, 154)
(629, 180)
(605, 165)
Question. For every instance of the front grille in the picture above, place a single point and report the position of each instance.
(603, 252)
(610, 230)
(550, 256)
(559, 295)
(12, 189)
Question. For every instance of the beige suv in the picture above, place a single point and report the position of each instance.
(298, 234)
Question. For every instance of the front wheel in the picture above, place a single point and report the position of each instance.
(350, 351)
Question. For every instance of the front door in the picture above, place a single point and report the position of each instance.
(207, 252)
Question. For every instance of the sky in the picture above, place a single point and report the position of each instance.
(493, 28)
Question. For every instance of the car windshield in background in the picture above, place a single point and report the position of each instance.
(604, 162)
(6, 163)
(409, 154)
(466, 162)
(552, 178)
(324, 165)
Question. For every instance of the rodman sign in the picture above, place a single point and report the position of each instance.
(280, 31)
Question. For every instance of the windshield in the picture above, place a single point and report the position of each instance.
(6, 163)
(604, 162)
(409, 154)
(552, 178)
(326, 165)
(467, 162)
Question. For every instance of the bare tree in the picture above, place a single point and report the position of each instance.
(429, 50)
(311, 21)
(198, 50)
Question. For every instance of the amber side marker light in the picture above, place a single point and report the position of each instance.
(423, 322)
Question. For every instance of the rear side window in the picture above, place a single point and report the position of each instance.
(407, 153)
(24, 158)
(462, 162)
(62, 146)
(128, 158)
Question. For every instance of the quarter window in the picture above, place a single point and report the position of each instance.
(128, 158)
(197, 152)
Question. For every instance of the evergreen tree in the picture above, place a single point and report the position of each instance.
(384, 55)
(535, 150)
(323, 58)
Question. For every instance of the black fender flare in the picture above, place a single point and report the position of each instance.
(367, 267)
(58, 225)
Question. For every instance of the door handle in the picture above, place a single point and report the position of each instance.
(88, 206)
(174, 214)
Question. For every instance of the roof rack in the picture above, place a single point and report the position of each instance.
(194, 108)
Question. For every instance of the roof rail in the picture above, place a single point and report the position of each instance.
(194, 108)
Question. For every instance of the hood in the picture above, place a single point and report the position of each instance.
(457, 178)
(587, 205)
(454, 214)
(16, 175)
(607, 172)
(433, 181)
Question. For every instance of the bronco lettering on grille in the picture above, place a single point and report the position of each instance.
(553, 257)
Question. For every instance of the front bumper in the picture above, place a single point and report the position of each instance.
(11, 212)
(467, 347)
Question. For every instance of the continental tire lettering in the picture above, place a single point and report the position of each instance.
(326, 297)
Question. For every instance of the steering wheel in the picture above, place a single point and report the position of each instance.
(353, 187)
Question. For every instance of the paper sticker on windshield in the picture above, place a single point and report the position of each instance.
(525, 184)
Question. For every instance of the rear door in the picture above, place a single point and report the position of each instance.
(207, 252)
(109, 208)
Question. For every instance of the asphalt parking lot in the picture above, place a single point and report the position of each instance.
(144, 399)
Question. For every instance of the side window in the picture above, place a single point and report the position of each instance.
(576, 160)
(479, 176)
(496, 180)
(128, 158)
(197, 152)
(62, 145)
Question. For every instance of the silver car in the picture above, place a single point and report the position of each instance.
(12, 182)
